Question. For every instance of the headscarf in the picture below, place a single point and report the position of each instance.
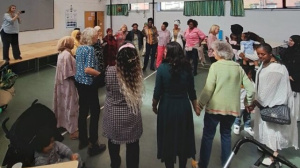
(177, 22)
(289, 55)
(76, 42)
(296, 39)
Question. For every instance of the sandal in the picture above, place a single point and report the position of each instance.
(74, 135)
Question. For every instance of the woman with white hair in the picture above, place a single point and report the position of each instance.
(177, 33)
(121, 35)
(86, 71)
(221, 96)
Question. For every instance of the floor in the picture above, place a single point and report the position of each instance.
(39, 85)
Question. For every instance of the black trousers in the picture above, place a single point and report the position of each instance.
(132, 154)
(13, 40)
(152, 48)
(88, 102)
(193, 55)
(182, 163)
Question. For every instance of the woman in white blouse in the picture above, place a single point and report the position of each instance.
(273, 88)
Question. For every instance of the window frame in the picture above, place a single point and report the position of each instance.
(284, 7)
(135, 10)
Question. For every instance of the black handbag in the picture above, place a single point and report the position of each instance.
(279, 114)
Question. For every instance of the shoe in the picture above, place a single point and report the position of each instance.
(19, 58)
(83, 144)
(152, 69)
(144, 68)
(236, 129)
(249, 130)
(267, 161)
(95, 149)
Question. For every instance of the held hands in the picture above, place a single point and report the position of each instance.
(196, 107)
(74, 156)
(197, 110)
(154, 106)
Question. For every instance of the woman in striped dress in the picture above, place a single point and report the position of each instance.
(122, 121)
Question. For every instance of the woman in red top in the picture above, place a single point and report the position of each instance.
(110, 49)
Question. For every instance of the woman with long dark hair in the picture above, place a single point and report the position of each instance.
(122, 121)
(174, 89)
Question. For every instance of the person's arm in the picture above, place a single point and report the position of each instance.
(210, 40)
(128, 36)
(8, 18)
(208, 89)
(192, 95)
(158, 90)
(63, 150)
(40, 160)
(248, 85)
(90, 63)
(201, 35)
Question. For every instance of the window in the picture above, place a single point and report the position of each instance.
(169, 6)
(256, 4)
(139, 6)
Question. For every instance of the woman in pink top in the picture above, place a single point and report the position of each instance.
(213, 31)
(121, 35)
(193, 37)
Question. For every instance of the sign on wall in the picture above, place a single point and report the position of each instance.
(71, 18)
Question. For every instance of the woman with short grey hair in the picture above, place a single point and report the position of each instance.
(221, 98)
(86, 73)
(223, 50)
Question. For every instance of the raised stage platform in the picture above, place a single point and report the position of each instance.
(34, 56)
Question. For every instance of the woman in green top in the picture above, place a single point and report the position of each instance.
(221, 98)
(174, 90)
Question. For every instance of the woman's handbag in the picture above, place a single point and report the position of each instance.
(279, 114)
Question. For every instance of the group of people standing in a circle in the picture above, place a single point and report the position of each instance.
(88, 61)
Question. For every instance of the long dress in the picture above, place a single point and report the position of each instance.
(177, 35)
(273, 88)
(66, 106)
(120, 124)
(175, 126)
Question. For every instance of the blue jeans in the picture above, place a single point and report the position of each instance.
(246, 117)
(211, 122)
(194, 56)
(152, 48)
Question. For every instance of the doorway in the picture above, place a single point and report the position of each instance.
(94, 18)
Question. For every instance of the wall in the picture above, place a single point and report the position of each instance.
(273, 25)
(60, 6)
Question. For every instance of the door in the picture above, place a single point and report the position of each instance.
(94, 18)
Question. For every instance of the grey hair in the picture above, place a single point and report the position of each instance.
(87, 36)
(223, 49)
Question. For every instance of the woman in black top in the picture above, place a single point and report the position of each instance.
(291, 59)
